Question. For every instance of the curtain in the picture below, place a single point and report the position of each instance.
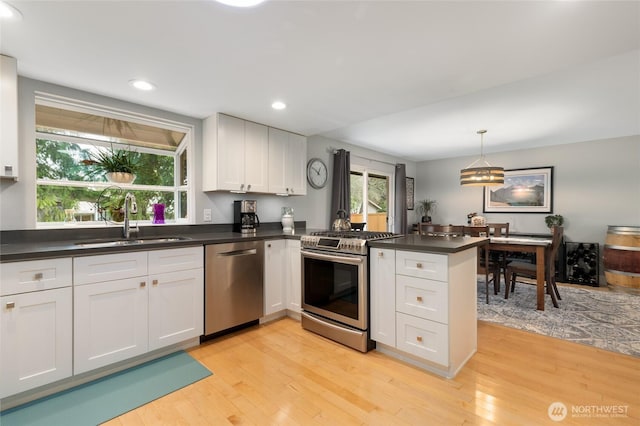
(341, 188)
(400, 201)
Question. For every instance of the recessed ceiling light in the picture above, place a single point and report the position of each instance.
(241, 3)
(278, 105)
(9, 12)
(142, 85)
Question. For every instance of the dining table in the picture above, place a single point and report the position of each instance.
(539, 246)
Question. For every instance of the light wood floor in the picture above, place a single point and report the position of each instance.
(280, 374)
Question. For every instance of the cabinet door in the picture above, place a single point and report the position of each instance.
(422, 298)
(383, 295)
(294, 276)
(110, 322)
(179, 259)
(423, 338)
(9, 117)
(256, 165)
(176, 305)
(278, 144)
(231, 153)
(422, 265)
(109, 267)
(274, 276)
(35, 275)
(296, 164)
(36, 332)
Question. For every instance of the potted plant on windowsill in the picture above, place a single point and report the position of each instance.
(118, 166)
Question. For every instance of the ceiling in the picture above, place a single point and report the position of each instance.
(414, 79)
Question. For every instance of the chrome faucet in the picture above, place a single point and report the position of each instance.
(130, 206)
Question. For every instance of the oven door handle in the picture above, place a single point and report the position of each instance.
(352, 260)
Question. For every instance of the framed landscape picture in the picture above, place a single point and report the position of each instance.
(524, 191)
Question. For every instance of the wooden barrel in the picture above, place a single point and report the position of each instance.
(622, 256)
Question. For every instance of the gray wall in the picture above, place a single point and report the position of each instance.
(18, 199)
(596, 184)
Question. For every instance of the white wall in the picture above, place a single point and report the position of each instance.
(596, 184)
(18, 199)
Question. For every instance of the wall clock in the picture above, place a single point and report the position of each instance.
(316, 173)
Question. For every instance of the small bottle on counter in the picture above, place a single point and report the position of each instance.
(287, 219)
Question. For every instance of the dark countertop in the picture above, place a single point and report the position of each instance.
(429, 244)
(42, 244)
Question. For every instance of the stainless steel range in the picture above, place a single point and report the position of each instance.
(335, 285)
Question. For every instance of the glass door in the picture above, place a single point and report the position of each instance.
(370, 199)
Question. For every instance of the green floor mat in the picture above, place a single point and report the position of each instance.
(103, 399)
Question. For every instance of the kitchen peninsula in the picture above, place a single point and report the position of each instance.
(423, 300)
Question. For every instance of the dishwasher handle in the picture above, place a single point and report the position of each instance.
(234, 253)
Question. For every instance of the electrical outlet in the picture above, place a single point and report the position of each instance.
(207, 215)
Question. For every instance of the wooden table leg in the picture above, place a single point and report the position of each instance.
(540, 277)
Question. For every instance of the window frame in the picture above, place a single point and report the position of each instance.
(186, 146)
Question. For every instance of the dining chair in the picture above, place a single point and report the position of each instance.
(524, 269)
(500, 230)
(485, 265)
(441, 230)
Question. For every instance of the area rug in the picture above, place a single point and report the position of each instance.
(103, 399)
(602, 318)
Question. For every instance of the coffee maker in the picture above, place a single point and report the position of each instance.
(245, 219)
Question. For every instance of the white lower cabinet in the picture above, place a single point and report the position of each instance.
(274, 276)
(423, 307)
(110, 322)
(382, 264)
(118, 319)
(282, 279)
(36, 339)
(294, 277)
(35, 324)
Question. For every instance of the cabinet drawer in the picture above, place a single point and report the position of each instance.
(35, 275)
(179, 259)
(422, 298)
(109, 267)
(422, 265)
(423, 338)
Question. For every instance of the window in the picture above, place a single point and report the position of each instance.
(70, 190)
(374, 187)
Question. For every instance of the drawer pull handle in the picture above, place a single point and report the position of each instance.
(419, 338)
(155, 282)
(380, 254)
(419, 265)
(38, 276)
(11, 305)
(143, 284)
(419, 299)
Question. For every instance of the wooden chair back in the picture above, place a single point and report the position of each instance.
(556, 241)
(441, 230)
(499, 229)
(476, 231)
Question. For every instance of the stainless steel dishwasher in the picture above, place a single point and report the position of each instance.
(234, 289)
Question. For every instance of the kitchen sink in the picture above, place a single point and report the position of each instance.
(136, 241)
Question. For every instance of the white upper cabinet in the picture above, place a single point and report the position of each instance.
(8, 117)
(240, 155)
(287, 158)
(235, 155)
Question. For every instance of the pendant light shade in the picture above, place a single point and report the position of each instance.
(482, 174)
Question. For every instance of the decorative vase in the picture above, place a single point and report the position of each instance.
(120, 177)
(158, 213)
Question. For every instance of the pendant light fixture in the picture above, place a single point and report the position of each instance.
(484, 174)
